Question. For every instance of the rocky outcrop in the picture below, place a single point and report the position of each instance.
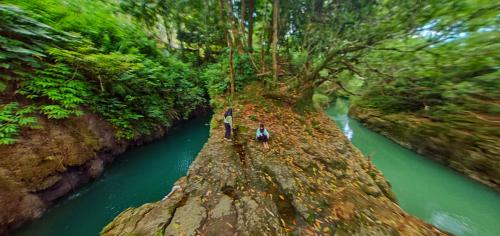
(49, 163)
(471, 153)
(311, 181)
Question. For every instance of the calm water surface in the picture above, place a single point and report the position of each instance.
(142, 175)
(424, 188)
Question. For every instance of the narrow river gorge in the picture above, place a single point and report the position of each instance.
(424, 188)
(141, 175)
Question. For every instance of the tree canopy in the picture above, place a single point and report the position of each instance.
(136, 62)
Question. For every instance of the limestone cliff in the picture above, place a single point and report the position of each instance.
(474, 154)
(311, 181)
(49, 163)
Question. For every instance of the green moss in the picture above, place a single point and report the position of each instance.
(214, 125)
(321, 101)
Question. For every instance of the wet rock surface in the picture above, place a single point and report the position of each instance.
(311, 181)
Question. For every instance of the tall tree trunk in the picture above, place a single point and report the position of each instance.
(242, 13)
(251, 10)
(234, 27)
(270, 31)
(242, 37)
(239, 36)
(305, 101)
(207, 19)
(262, 36)
(317, 10)
(231, 69)
(230, 44)
(276, 15)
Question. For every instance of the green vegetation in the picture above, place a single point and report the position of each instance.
(66, 95)
(449, 78)
(66, 58)
(453, 77)
(141, 64)
(13, 118)
(425, 73)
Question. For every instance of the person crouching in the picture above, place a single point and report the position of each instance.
(262, 135)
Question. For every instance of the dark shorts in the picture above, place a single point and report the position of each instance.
(227, 127)
(262, 138)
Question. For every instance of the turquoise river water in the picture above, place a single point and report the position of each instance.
(141, 175)
(424, 188)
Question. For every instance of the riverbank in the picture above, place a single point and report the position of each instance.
(470, 153)
(50, 163)
(312, 180)
(140, 175)
(425, 188)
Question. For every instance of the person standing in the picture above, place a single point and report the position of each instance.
(228, 123)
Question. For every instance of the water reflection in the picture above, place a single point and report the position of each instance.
(341, 109)
(452, 223)
(347, 130)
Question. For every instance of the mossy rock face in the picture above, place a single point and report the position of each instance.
(471, 151)
(39, 167)
(43, 154)
(17, 204)
(307, 183)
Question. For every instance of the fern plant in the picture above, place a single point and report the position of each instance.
(113, 68)
(23, 41)
(13, 118)
(60, 90)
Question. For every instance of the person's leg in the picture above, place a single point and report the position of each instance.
(228, 131)
(264, 139)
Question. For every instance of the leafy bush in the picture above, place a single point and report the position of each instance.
(215, 77)
(98, 21)
(118, 114)
(112, 68)
(136, 94)
(12, 119)
(321, 101)
(465, 80)
(64, 88)
(23, 41)
(245, 72)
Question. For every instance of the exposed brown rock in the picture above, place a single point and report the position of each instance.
(49, 163)
(312, 181)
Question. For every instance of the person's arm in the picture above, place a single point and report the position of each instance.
(257, 134)
(266, 133)
(230, 119)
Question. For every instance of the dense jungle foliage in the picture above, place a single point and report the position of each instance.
(66, 58)
(141, 64)
(456, 83)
